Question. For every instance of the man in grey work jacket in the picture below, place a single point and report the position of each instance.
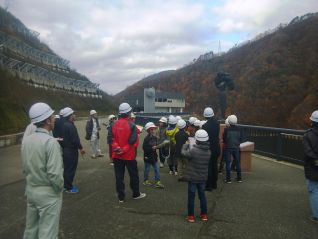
(43, 169)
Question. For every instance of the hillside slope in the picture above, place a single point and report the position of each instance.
(16, 97)
(31, 72)
(276, 78)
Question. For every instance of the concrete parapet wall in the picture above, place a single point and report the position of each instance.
(10, 139)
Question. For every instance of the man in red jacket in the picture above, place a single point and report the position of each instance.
(125, 136)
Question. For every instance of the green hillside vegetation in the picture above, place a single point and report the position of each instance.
(16, 97)
(276, 79)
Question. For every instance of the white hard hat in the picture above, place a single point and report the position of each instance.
(201, 135)
(178, 118)
(192, 119)
(67, 111)
(163, 120)
(232, 119)
(197, 123)
(61, 112)
(39, 112)
(314, 116)
(150, 125)
(92, 112)
(172, 120)
(181, 124)
(227, 121)
(124, 108)
(132, 115)
(208, 112)
(111, 117)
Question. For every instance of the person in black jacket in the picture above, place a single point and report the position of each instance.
(181, 138)
(71, 145)
(212, 127)
(232, 138)
(58, 128)
(310, 143)
(197, 172)
(149, 147)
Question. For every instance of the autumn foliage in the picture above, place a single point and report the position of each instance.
(276, 79)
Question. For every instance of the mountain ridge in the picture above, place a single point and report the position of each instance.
(276, 77)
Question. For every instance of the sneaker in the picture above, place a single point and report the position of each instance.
(121, 201)
(204, 217)
(147, 183)
(93, 156)
(141, 195)
(190, 218)
(314, 219)
(228, 181)
(73, 190)
(161, 165)
(159, 185)
(170, 172)
(239, 180)
(175, 173)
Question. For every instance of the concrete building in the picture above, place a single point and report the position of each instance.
(152, 101)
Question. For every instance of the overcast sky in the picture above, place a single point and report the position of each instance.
(117, 42)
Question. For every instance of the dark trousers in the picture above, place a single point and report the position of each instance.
(211, 183)
(192, 187)
(119, 167)
(235, 153)
(70, 160)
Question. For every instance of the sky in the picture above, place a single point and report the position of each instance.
(116, 43)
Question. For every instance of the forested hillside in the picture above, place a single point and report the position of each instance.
(276, 78)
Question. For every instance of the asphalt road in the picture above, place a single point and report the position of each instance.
(272, 202)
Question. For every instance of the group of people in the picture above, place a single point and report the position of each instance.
(191, 149)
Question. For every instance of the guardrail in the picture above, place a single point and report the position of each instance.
(11, 139)
(278, 143)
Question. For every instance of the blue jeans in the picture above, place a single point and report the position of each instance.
(312, 187)
(192, 187)
(155, 169)
(236, 156)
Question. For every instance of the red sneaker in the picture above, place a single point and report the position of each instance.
(190, 218)
(204, 217)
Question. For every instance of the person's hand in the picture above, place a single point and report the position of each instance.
(82, 151)
(154, 147)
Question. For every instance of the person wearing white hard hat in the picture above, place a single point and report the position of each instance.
(92, 134)
(171, 131)
(212, 127)
(310, 144)
(232, 139)
(149, 147)
(222, 161)
(161, 132)
(181, 138)
(42, 165)
(58, 128)
(71, 146)
(111, 120)
(125, 138)
(191, 127)
(197, 172)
